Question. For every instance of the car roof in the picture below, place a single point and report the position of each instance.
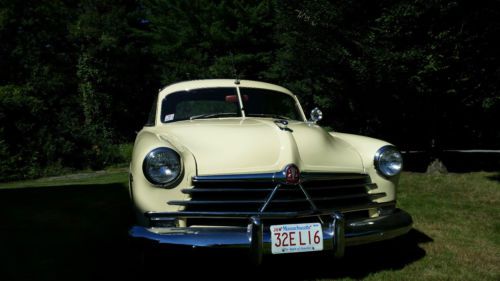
(214, 83)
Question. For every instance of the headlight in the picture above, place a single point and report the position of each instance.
(388, 161)
(162, 166)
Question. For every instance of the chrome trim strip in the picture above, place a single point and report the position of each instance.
(213, 202)
(228, 190)
(276, 177)
(269, 198)
(192, 190)
(266, 202)
(374, 196)
(263, 215)
(265, 177)
(308, 198)
(371, 196)
(308, 176)
(314, 208)
(227, 215)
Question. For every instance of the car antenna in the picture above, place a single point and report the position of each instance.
(235, 73)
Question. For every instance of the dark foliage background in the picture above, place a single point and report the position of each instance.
(77, 77)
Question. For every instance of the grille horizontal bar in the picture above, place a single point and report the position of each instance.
(237, 189)
(157, 216)
(304, 200)
(275, 177)
(332, 176)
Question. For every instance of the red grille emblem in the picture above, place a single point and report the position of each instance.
(292, 174)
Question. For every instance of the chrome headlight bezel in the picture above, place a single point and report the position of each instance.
(388, 161)
(175, 163)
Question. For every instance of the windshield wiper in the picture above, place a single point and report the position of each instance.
(267, 115)
(212, 115)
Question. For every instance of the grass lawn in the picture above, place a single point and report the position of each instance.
(110, 176)
(75, 228)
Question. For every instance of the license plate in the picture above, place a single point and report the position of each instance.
(296, 238)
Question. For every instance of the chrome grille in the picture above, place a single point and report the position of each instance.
(317, 191)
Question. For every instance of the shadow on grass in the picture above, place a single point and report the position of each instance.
(80, 233)
(358, 262)
(63, 233)
(495, 177)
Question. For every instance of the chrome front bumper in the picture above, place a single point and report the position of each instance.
(256, 237)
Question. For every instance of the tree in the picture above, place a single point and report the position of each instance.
(203, 39)
(34, 87)
(322, 57)
(413, 72)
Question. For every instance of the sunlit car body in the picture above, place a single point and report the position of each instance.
(225, 163)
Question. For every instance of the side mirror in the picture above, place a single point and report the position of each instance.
(316, 115)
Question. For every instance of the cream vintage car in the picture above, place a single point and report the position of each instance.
(236, 164)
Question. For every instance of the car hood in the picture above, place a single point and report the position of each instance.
(255, 145)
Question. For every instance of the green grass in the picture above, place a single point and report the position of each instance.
(74, 227)
(461, 213)
(111, 175)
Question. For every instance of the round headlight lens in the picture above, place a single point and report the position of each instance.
(162, 166)
(388, 161)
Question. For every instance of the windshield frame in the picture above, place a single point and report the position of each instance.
(246, 84)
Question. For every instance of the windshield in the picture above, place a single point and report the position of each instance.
(200, 103)
(269, 103)
(224, 102)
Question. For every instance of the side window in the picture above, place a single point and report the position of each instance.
(152, 115)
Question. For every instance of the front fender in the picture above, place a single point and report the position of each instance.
(367, 147)
(145, 195)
